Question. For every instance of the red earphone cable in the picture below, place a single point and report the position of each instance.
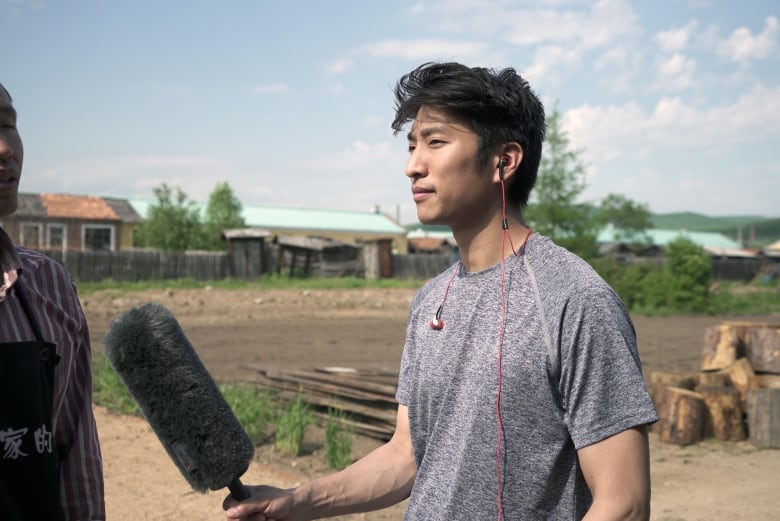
(499, 421)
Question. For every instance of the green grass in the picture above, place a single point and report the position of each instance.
(255, 409)
(108, 389)
(292, 426)
(338, 440)
(266, 282)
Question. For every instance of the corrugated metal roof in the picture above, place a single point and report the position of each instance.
(661, 237)
(287, 218)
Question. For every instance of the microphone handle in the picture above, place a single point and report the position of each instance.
(238, 490)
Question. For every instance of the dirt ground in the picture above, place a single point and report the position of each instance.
(364, 329)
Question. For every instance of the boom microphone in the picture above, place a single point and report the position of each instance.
(177, 396)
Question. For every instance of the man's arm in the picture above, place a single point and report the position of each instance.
(378, 480)
(617, 470)
(81, 471)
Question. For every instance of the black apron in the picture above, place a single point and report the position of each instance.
(29, 467)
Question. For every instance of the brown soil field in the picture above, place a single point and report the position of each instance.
(360, 328)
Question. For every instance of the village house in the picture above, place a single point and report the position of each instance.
(72, 222)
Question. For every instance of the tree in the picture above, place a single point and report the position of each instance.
(222, 212)
(554, 210)
(690, 270)
(630, 219)
(172, 224)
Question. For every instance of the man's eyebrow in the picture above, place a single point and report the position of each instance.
(426, 132)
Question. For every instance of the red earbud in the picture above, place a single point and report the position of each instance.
(437, 324)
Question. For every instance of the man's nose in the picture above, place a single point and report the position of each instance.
(414, 165)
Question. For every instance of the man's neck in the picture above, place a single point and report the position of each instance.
(482, 248)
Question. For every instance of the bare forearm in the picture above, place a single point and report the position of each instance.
(380, 479)
(618, 511)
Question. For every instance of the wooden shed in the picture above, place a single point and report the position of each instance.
(248, 252)
(316, 255)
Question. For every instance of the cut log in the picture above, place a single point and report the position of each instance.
(763, 349)
(681, 420)
(739, 374)
(712, 379)
(764, 381)
(764, 417)
(660, 380)
(725, 418)
(721, 347)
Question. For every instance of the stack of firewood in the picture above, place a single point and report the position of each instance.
(367, 396)
(735, 396)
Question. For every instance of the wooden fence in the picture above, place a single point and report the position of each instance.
(139, 265)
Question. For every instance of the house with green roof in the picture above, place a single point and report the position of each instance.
(348, 226)
(716, 244)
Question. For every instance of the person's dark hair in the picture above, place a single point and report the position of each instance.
(499, 106)
(6, 92)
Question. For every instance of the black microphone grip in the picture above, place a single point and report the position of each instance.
(238, 490)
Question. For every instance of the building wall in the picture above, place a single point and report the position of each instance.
(73, 231)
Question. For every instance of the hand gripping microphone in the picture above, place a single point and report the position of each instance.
(179, 399)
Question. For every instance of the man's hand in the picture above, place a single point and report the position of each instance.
(265, 503)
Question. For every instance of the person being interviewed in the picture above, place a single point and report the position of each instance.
(520, 389)
(50, 462)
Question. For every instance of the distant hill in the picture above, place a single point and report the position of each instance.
(764, 230)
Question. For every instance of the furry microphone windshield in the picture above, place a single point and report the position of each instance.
(177, 396)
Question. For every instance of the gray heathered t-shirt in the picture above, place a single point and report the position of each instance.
(571, 377)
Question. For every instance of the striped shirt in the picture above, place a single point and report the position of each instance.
(52, 296)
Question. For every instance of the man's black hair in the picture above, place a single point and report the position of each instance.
(499, 106)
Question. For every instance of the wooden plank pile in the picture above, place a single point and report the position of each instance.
(367, 396)
(735, 396)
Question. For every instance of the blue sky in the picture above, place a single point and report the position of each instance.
(675, 104)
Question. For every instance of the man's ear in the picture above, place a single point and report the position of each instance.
(507, 161)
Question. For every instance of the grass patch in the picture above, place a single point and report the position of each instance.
(109, 391)
(265, 282)
(338, 440)
(254, 408)
(292, 426)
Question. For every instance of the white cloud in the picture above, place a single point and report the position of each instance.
(340, 66)
(613, 131)
(551, 61)
(271, 89)
(412, 50)
(358, 156)
(743, 46)
(676, 40)
(676, 72)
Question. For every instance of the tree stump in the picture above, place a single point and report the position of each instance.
(763, 349)
(739, 374)
(721, 347)
(764, 417)
(764, 381)
(725, 416)
(712, 379)
(681, 416)
(660, 380)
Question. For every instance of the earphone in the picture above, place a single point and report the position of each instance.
(501, 164)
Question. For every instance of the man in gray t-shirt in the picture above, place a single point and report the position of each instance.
(520, 392)
(571, 377)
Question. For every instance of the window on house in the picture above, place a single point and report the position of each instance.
(30, 235)
(99, 238)
(56, 237)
